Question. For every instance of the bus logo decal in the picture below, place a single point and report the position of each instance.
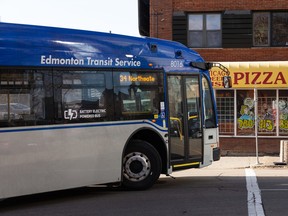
(70, 114)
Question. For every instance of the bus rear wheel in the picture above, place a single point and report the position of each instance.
(141, 165)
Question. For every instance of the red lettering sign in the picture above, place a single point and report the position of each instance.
(258, 78)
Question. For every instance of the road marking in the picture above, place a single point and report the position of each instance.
(254, 200)
(274, 189)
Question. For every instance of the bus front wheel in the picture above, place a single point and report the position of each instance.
(141, 165)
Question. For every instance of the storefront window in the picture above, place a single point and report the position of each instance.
(267, 112)
(245, 113)
(270, 121)
(255, 84)
(283, 112)
(225, 107)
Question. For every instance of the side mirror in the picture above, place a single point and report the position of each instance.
(227, 82)
(202, 65)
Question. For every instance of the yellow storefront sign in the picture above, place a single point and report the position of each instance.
(273, 74)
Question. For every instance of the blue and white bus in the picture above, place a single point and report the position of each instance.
(80, 108)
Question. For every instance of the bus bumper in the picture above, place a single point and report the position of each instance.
(216, 154)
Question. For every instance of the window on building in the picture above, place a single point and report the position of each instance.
(225, 107)
(245, 113)
(283, 112)
(266, 112)
(204, 30)
(261, 29)
(272, 112)
(270, 29)
(280, 29)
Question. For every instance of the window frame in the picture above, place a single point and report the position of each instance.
(271, 28)
(204, 32)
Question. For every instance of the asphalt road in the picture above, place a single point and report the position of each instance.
(217, 190)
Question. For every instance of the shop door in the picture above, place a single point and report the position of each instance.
(185, 129)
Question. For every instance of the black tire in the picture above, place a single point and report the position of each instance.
(141, 165)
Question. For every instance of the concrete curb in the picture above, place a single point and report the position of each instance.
(242, 162)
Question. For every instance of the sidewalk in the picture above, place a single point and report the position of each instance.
(238, 162)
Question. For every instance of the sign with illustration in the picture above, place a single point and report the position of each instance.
(246, 119)
(267, 113)
(267, 116)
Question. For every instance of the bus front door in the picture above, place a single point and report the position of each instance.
(185, 130)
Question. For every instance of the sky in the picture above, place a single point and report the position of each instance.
(117, 16)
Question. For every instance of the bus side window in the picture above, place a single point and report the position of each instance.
(22, 97)
(81, 96)
(209, 113)
(137, 95)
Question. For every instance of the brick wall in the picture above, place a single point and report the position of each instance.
(245, 54)
(213, 5)
(161, 11)
(161, 19)
(247, 146)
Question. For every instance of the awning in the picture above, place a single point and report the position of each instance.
(264, 74)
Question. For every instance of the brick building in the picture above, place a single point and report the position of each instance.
(251, 39)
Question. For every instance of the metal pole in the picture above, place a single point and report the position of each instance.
(256, 124)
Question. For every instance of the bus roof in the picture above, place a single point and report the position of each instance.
(28, 45)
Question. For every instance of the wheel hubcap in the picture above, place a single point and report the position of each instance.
(136, 166)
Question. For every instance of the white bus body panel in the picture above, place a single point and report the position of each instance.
(61, 157)
(211, 140)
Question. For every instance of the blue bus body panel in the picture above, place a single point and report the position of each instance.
(28, 45)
